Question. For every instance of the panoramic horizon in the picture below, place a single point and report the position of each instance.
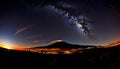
(25, 23)
(79, 34)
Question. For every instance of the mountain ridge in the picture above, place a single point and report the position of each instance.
(64, 44)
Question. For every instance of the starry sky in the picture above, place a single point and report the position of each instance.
(32, 23)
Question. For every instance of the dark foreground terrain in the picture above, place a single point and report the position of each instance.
(102, 58)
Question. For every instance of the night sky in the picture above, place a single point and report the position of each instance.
(29, 23)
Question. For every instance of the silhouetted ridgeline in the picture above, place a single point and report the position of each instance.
(63, 44)
(99, 58)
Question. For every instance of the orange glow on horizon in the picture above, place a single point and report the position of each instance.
(113, 44)
(18, 47)
(11, 47)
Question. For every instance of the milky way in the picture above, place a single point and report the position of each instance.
(38, 22)
(79, 22)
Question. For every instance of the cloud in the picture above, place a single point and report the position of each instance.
(36, 41)
(55, 41)
(34, 36)
(23, 29)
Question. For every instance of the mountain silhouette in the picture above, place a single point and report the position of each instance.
(64, 44)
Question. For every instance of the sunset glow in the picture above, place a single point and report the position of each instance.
(11, 47)
(5, 46)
